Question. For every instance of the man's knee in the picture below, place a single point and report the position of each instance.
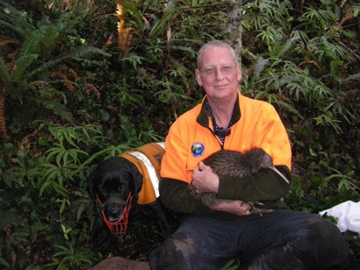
(333, 247)
(322, 242)
(176, 251)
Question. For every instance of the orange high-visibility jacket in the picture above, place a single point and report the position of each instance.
(191, 138)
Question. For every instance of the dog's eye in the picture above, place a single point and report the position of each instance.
(121, 187)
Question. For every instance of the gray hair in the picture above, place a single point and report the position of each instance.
(211, 44)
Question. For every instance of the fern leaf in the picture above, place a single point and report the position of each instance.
(4, 73)
(31, 44)
(12, 28)
(353, 77)
(57, 108)
(161, 25)
(77, 54)
(260, 66)
(134, 11)
(21, 65)
(288, 45)
(10, 218)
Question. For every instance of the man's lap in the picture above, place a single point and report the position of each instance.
(207, 241)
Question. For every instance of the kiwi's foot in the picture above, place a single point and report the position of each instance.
(258, 211)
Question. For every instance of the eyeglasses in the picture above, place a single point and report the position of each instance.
(224, 70)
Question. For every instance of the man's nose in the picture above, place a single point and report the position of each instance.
(218, 74)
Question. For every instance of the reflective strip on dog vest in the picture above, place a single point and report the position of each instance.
(151, 170)
(147, 159)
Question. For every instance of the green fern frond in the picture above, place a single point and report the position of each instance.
(299, 34)
(353, 77)
(131, 8)
(289, 108)
(3, 262)
(334, 51)
(260, 66)
(31, 44)
(50, 36)
(53, 33)
(4, 72)
(37, 227)
(161, 25)
(257, 20)
(13, 28)
(16, 21)
(289, 44)
(21, 66)
(10, 217)
(6, 199)
(56, 107)
(319, 16)
(79, 54)
(356, 10)
(20, 235)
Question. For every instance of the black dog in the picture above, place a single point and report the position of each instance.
(127, 183)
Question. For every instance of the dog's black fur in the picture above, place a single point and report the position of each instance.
(117, 176)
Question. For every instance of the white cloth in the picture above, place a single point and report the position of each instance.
(347, 215)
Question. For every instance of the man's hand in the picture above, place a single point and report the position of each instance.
(237, 207)
(204, 179)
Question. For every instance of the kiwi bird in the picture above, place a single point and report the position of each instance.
(230, 163)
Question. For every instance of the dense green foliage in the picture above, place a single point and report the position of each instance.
(72, 96)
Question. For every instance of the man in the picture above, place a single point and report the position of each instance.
(209, 238)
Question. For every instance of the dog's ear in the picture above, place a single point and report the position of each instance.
(91, 184)
(100, 173)
(138, 181)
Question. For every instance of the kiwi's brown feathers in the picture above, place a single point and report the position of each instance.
(232, 163)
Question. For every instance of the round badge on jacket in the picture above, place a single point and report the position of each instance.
(197, 149)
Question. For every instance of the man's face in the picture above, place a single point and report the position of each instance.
(219, 73)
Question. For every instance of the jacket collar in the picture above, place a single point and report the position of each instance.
(204, 118)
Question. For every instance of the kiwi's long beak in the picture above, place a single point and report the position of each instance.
(279, 173)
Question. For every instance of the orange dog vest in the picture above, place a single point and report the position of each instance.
(147, 159)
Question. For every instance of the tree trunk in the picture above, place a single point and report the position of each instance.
(234, 26)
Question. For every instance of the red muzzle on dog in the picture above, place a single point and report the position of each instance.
(119, 226)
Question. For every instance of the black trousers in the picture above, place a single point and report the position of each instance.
(282, 239)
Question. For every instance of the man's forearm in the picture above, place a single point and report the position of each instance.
(176, 196)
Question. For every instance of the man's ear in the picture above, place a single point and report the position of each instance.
(239, 72)
(198, 77)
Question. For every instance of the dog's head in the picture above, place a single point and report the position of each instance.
(113, 183)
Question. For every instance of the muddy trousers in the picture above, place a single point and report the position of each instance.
(278, 240)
